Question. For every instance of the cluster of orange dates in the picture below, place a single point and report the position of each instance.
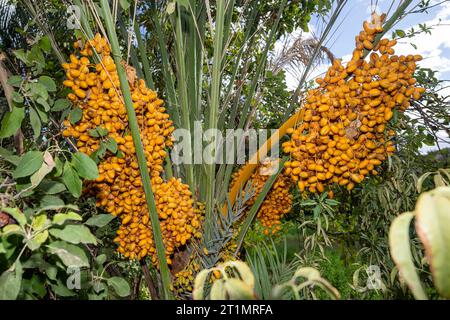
(341, 138)
(278, 201)
(96, 91)
(343, 134)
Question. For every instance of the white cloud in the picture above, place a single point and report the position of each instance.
(434, 47)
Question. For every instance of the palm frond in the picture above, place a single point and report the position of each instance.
(221, 231)
(296, 54)
(270, 265)
(7, 11)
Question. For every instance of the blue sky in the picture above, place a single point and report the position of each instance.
(359, 10)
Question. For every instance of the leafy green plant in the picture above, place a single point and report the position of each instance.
(432, 219)
(210, 62)
(316, 215)
(270, 265)
(46, 245)
(47, 252)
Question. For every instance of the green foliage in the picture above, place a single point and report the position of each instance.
(432, 220)
(11, 121)
(46, 247)
(271, 266)
(29, 163)
(221, 76)
(48, 250)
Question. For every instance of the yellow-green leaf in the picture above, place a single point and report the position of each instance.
(399, 244)
(11, 122)
(433, 228)
(29, 163)
(238, 290)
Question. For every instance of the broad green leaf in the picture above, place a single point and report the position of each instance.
(41, 237)
(61, 289)
(61, 218)
(74, 233)
(42, 114)
(20, 54)
(37, 177)
(9, 156)
(10, 282)
(11, 229)
(15, 81)
(51, 187)
(24, 188)
(98, 132)
(35, 122)
(51, 201)
(99, 220)
(43, 102)
(71, 180)
(399, 244)
(61, 104)
(100, 259)
(75, 115)
(17, 215)
(46, 168)
(99, 153)
(120, 154)
(34, 288)
(120, 285)
(99, 287)
(51, 271)
(44, 44)
(102, 131)
(29, 163)
(57, 207)
(36, 242)
(36, 56)
(71, 255)
(39, 222)
(48, 83)
(85, 166)
(400, 33)
(34, 261)
(17, 97)
(433, 228)
(111, 145)
(93, 133)
(59, 165)
(11, 122)
(38, 90)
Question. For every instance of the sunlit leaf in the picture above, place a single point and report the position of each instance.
(399, 244)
